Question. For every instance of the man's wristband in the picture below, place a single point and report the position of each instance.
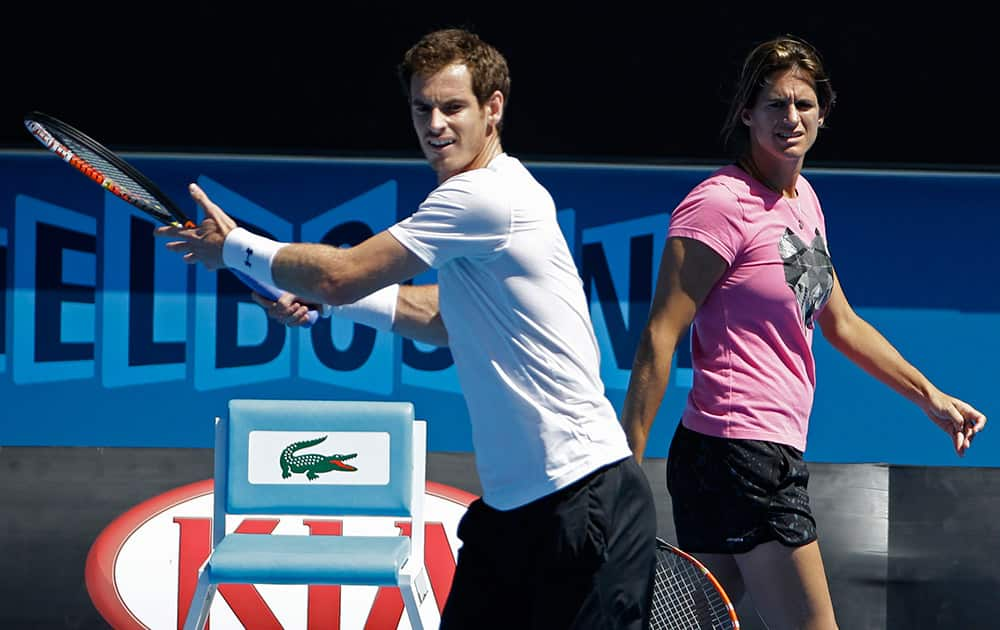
(250, 253)
(377, 310)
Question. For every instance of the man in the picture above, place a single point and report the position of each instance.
(564, 534)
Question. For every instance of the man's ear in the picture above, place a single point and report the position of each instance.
(494, 108)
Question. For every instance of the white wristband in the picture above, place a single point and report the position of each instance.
(250, 253)
(377, 310)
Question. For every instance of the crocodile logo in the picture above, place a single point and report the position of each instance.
(312, 464)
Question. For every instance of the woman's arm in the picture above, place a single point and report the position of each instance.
(688, 271)
(859, 341)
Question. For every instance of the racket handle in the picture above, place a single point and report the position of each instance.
(271, 292)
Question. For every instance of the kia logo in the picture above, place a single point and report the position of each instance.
(141, 570)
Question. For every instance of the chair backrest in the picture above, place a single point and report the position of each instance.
(316, 457)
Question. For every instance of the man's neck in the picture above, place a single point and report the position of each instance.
(490, 150)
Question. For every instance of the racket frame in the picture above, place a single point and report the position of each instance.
(46, 130)
(664, 546)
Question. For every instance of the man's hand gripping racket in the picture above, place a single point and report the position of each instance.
(121, 179)
(203, 244)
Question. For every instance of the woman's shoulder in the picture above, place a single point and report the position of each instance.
(732, 178)
(727, 184)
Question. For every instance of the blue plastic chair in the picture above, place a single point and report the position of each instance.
(319, 458)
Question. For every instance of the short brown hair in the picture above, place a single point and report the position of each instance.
(439, 49)
(775, 55)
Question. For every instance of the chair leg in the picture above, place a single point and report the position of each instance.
(201, 603)
(421, 606)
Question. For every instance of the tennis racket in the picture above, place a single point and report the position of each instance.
(686, 596)
(124, 181)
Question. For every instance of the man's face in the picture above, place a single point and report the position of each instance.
(456, 133)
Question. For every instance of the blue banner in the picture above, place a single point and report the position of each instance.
(110, 340)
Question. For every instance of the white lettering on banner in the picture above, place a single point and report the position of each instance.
(60, 345)
(3, 298)
(338, 351)
(144, 323)
(149, 334)
(141, 570)
(233, 345)
(619, 266)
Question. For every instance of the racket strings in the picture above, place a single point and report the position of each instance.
(110, 171)
(92, 162)
(684, 598)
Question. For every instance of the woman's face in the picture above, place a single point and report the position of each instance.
(786, 118)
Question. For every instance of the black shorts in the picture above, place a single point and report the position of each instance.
(582, 557)
(731, 495)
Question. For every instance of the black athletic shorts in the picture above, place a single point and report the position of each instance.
(731, 495)
(582, 557)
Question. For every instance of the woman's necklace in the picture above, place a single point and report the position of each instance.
(797, 208)
(750, 167)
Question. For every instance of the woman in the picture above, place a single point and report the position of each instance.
(746, 260)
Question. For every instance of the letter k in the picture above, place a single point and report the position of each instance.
(249, 254)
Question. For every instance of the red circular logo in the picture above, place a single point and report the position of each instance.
(141, 570)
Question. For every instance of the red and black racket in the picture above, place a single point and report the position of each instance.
(686, 595)
(123, 180)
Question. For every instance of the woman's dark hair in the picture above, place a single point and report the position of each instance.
(775, 55)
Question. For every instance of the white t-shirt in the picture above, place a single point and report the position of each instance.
(519, 331)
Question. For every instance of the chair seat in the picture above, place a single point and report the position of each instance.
(270, 559)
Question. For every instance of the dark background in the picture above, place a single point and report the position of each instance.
(621, 82)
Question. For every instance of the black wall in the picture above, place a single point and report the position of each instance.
(622, 82)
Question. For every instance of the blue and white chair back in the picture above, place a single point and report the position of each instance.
(319, 458)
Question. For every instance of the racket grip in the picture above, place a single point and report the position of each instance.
(271, 292)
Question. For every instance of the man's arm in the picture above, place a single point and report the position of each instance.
(865, 346)
(418, 316)
(340, 275)
(322, 274)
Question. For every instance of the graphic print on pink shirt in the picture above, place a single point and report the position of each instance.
(808, 271)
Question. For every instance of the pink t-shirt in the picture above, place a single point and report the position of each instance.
(751, 344)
